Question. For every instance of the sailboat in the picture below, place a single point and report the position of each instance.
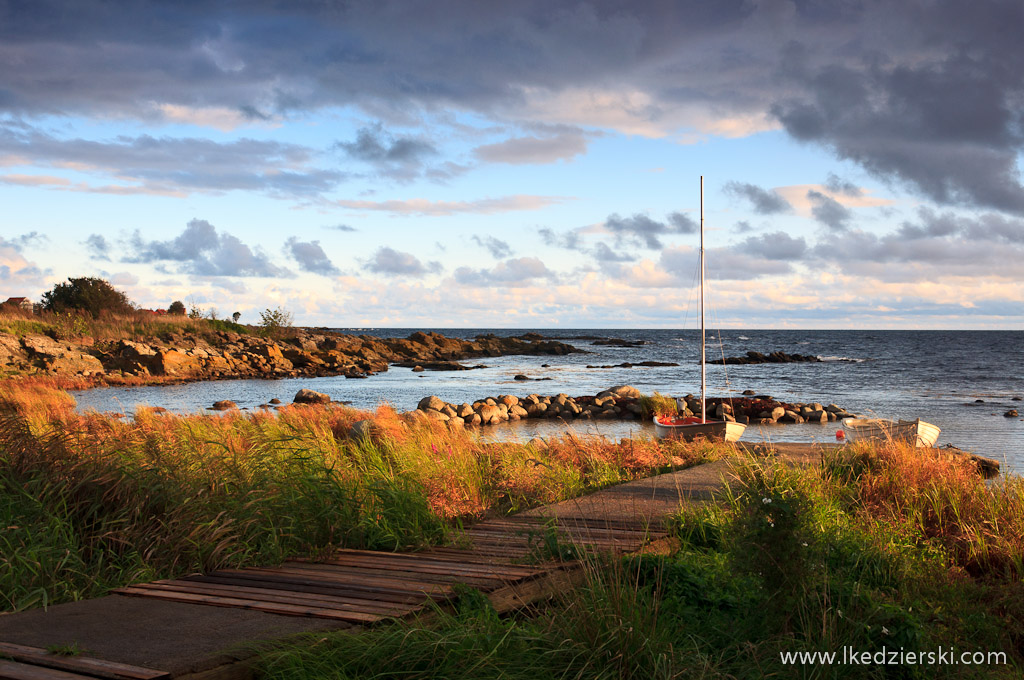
(693, 427)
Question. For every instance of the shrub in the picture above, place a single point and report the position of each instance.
(89, 294)
(274, 321)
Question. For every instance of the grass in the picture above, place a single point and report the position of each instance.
(108, 328)
(91, 502)
(794, 561)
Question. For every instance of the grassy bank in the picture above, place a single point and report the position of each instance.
(880, 550)
(91, 502)
(138, 326)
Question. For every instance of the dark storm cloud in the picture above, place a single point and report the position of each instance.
(202, 251)
(765, 201)
(926, 95)
(310, 257)
(168, 165)
(521, 271)
(499, 249)
(941, 114)
(829, 211)
(642, 230)
(396, 263)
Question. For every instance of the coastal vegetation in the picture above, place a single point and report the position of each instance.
(92, 501)
(880, 549)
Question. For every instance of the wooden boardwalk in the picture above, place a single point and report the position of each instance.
(510, 560)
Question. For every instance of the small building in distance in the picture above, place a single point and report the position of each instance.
(22, 303)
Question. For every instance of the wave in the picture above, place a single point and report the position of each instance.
(742, 337)
(852, 360)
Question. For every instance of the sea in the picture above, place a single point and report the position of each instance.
(962, 381)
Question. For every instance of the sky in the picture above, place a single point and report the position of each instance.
(528, 164)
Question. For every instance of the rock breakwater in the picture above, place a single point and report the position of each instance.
(623, 402)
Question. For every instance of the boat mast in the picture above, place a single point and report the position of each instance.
(703, 368)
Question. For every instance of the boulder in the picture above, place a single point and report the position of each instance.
(224, 405)
(1012, 413)
(308, 396)
(436, 403)
(627, 391)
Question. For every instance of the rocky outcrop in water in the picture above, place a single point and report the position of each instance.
(178, 356)
(773, 358)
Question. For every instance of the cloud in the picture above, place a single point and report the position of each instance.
(422, 207)
(393, 262)
(838, 185)
(765, 201)
(642, 230)
(15, 269)
(310, 257)
(927, 97)
(603, 253)
(570, 240)
(534, 150)
(934, 115)
(775, 246)
(201, 251)
(167, 165)
(829, 211)
(342, 227)
(98, 247)
(935, 247)
(516, 272)
(400, 158)
(499, 249)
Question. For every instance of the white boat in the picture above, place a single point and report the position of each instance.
(694, 427)
(918, 432)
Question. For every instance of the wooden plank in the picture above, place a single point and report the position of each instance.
(324, 575)
(519, 595)
(265, 595)
(410, 574)
(427, 563)
(437, 592)
(364, 594)
(13, 670)
(465, 557)
(291, 610)
(443, 554)
(98, 668)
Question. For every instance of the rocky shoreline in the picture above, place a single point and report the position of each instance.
(220, 355)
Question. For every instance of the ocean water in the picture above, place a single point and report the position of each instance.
(962, 381)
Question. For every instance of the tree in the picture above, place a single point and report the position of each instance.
(88, 294)
(177, 308)
(273, 321)
(236, 316)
